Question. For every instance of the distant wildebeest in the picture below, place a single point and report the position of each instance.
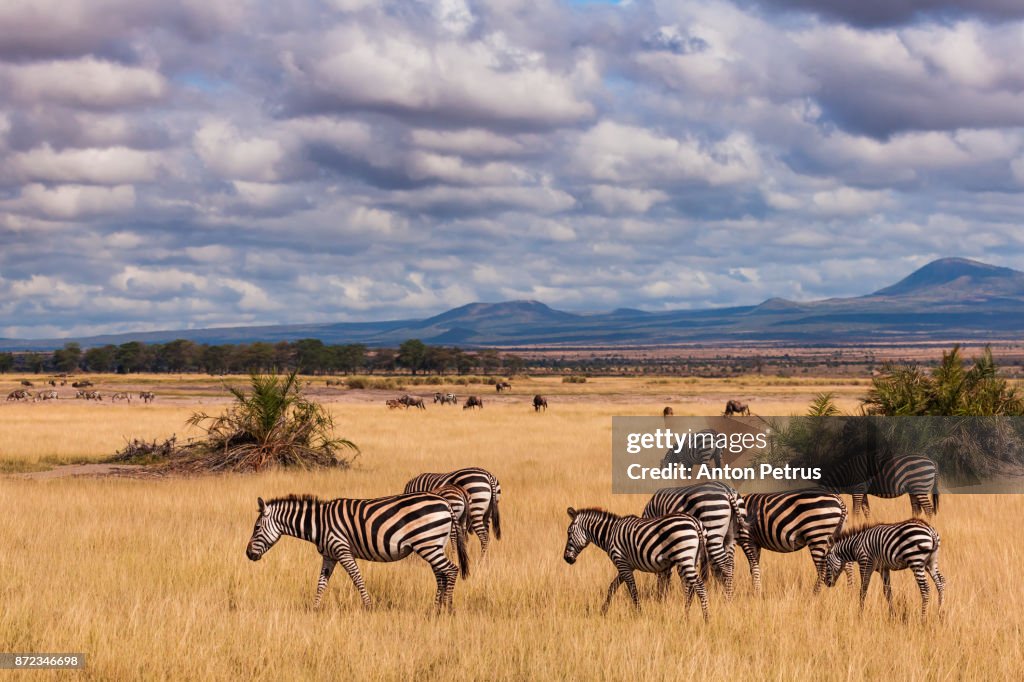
(412, 401)
(19, 394)
(147, 396)
(26, 382)
(667, 412)
(394, 404)
(63, 382)
(121, 396)
(473, 401)
(736, 407)
(502, 386)
(335, 382)
(46, 395)
(53, 383)
(539, 401)
(84, 383)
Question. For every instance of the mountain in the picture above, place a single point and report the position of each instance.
(947, 299)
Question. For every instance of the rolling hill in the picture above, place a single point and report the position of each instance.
(951, 298)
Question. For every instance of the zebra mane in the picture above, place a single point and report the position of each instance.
(604, 512)
(295, 498)
(850, 531)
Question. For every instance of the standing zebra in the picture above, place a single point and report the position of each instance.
(788, 522)
(889, 547)
(484, 494)
(721, 511)
(910, 475)
(700, 449)
(650, 545)
(382, 529)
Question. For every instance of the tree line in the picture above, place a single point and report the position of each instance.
(310, 356)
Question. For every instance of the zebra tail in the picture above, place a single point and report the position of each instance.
(704, 557)
(740, 525)
(495, 515)
(935, 495)
(460, 547)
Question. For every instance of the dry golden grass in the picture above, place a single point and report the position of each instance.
(150, 579)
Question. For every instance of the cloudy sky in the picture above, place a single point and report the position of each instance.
(222, 162)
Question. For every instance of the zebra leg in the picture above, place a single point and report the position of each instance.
(848, 570)
(611, 592)
(922, 584)
(478, 521)
(664, 579)
(627, 577)
(887, 589)
(723, 563)
(938, 579)
(818, 557)
(348, 562)
(445, 573)
(325, 575)
(690, 577)
(866, 569)
(753, 554)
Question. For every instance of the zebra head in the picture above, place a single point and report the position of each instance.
(265, 533)
(833, 567)
(578, 538)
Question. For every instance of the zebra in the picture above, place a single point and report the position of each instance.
(121, 396)
(381, 529)
(458, 500)
(912, 544)
(473, 401)
(650, 545)
(484, 495)
(911, 475)
(539, 401)
(700, 449)
(147, 396)
(721, 511)
(788, 522)
(47, 395)
(446, 398)
(19, 394)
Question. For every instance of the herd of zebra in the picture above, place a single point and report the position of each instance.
(435, 509)
(473, 401)
(23, 395)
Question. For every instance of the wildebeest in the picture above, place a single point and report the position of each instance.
(26, 382)
(147, 396)
(667, 412)
(473, 401)
(394, 404)
(47, 395)
(736, 407)
(53, 383)
(19, 394)
(84, 383)
(539, 401)
(412, 401)
(502, 386)
(121, 396)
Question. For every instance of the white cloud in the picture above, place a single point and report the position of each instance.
(86, 82)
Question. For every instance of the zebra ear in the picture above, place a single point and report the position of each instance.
(262, 505)
(572, 512)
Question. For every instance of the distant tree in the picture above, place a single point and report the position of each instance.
(514, 364)
(412, 355)
(350, 358)
(490, 361)
(66, 359)
(216, 359)
(383, 360)
(99, 359)
(311, 356)
(464, 362)
(35, 362)
(179, 355)
(130, 357)
(6, 362)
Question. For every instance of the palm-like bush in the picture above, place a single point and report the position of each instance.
(272, 425)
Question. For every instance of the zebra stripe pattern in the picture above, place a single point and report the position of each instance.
(722, 512)
(700, 450)
(910, 475)
(677, 541)
(382, 529)
(484, 494)
(912, 544)
(790, 521)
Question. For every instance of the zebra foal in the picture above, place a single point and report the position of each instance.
(886, 547)
(381, 529)
(676, 541)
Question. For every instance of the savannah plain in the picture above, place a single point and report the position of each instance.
(148, 576)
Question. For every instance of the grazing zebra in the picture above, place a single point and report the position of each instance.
(889, 547)
(910, 475)
(19, 394)
(539, 401)
(121, 396)
(700, 449)
(47, 395)
(484, 494)
(667, 412)
(382, 529)
(736, 407)
(395, 404)
(92, 395)
(650, 545)
(147, 396)
(789, 521)
(721, 511)
(473, 401)
(446, 398)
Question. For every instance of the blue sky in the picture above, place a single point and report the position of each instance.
(225, 162)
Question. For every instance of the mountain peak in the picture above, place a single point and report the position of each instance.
(963, 272)
(514, 312)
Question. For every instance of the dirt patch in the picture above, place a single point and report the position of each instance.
(93, 470)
